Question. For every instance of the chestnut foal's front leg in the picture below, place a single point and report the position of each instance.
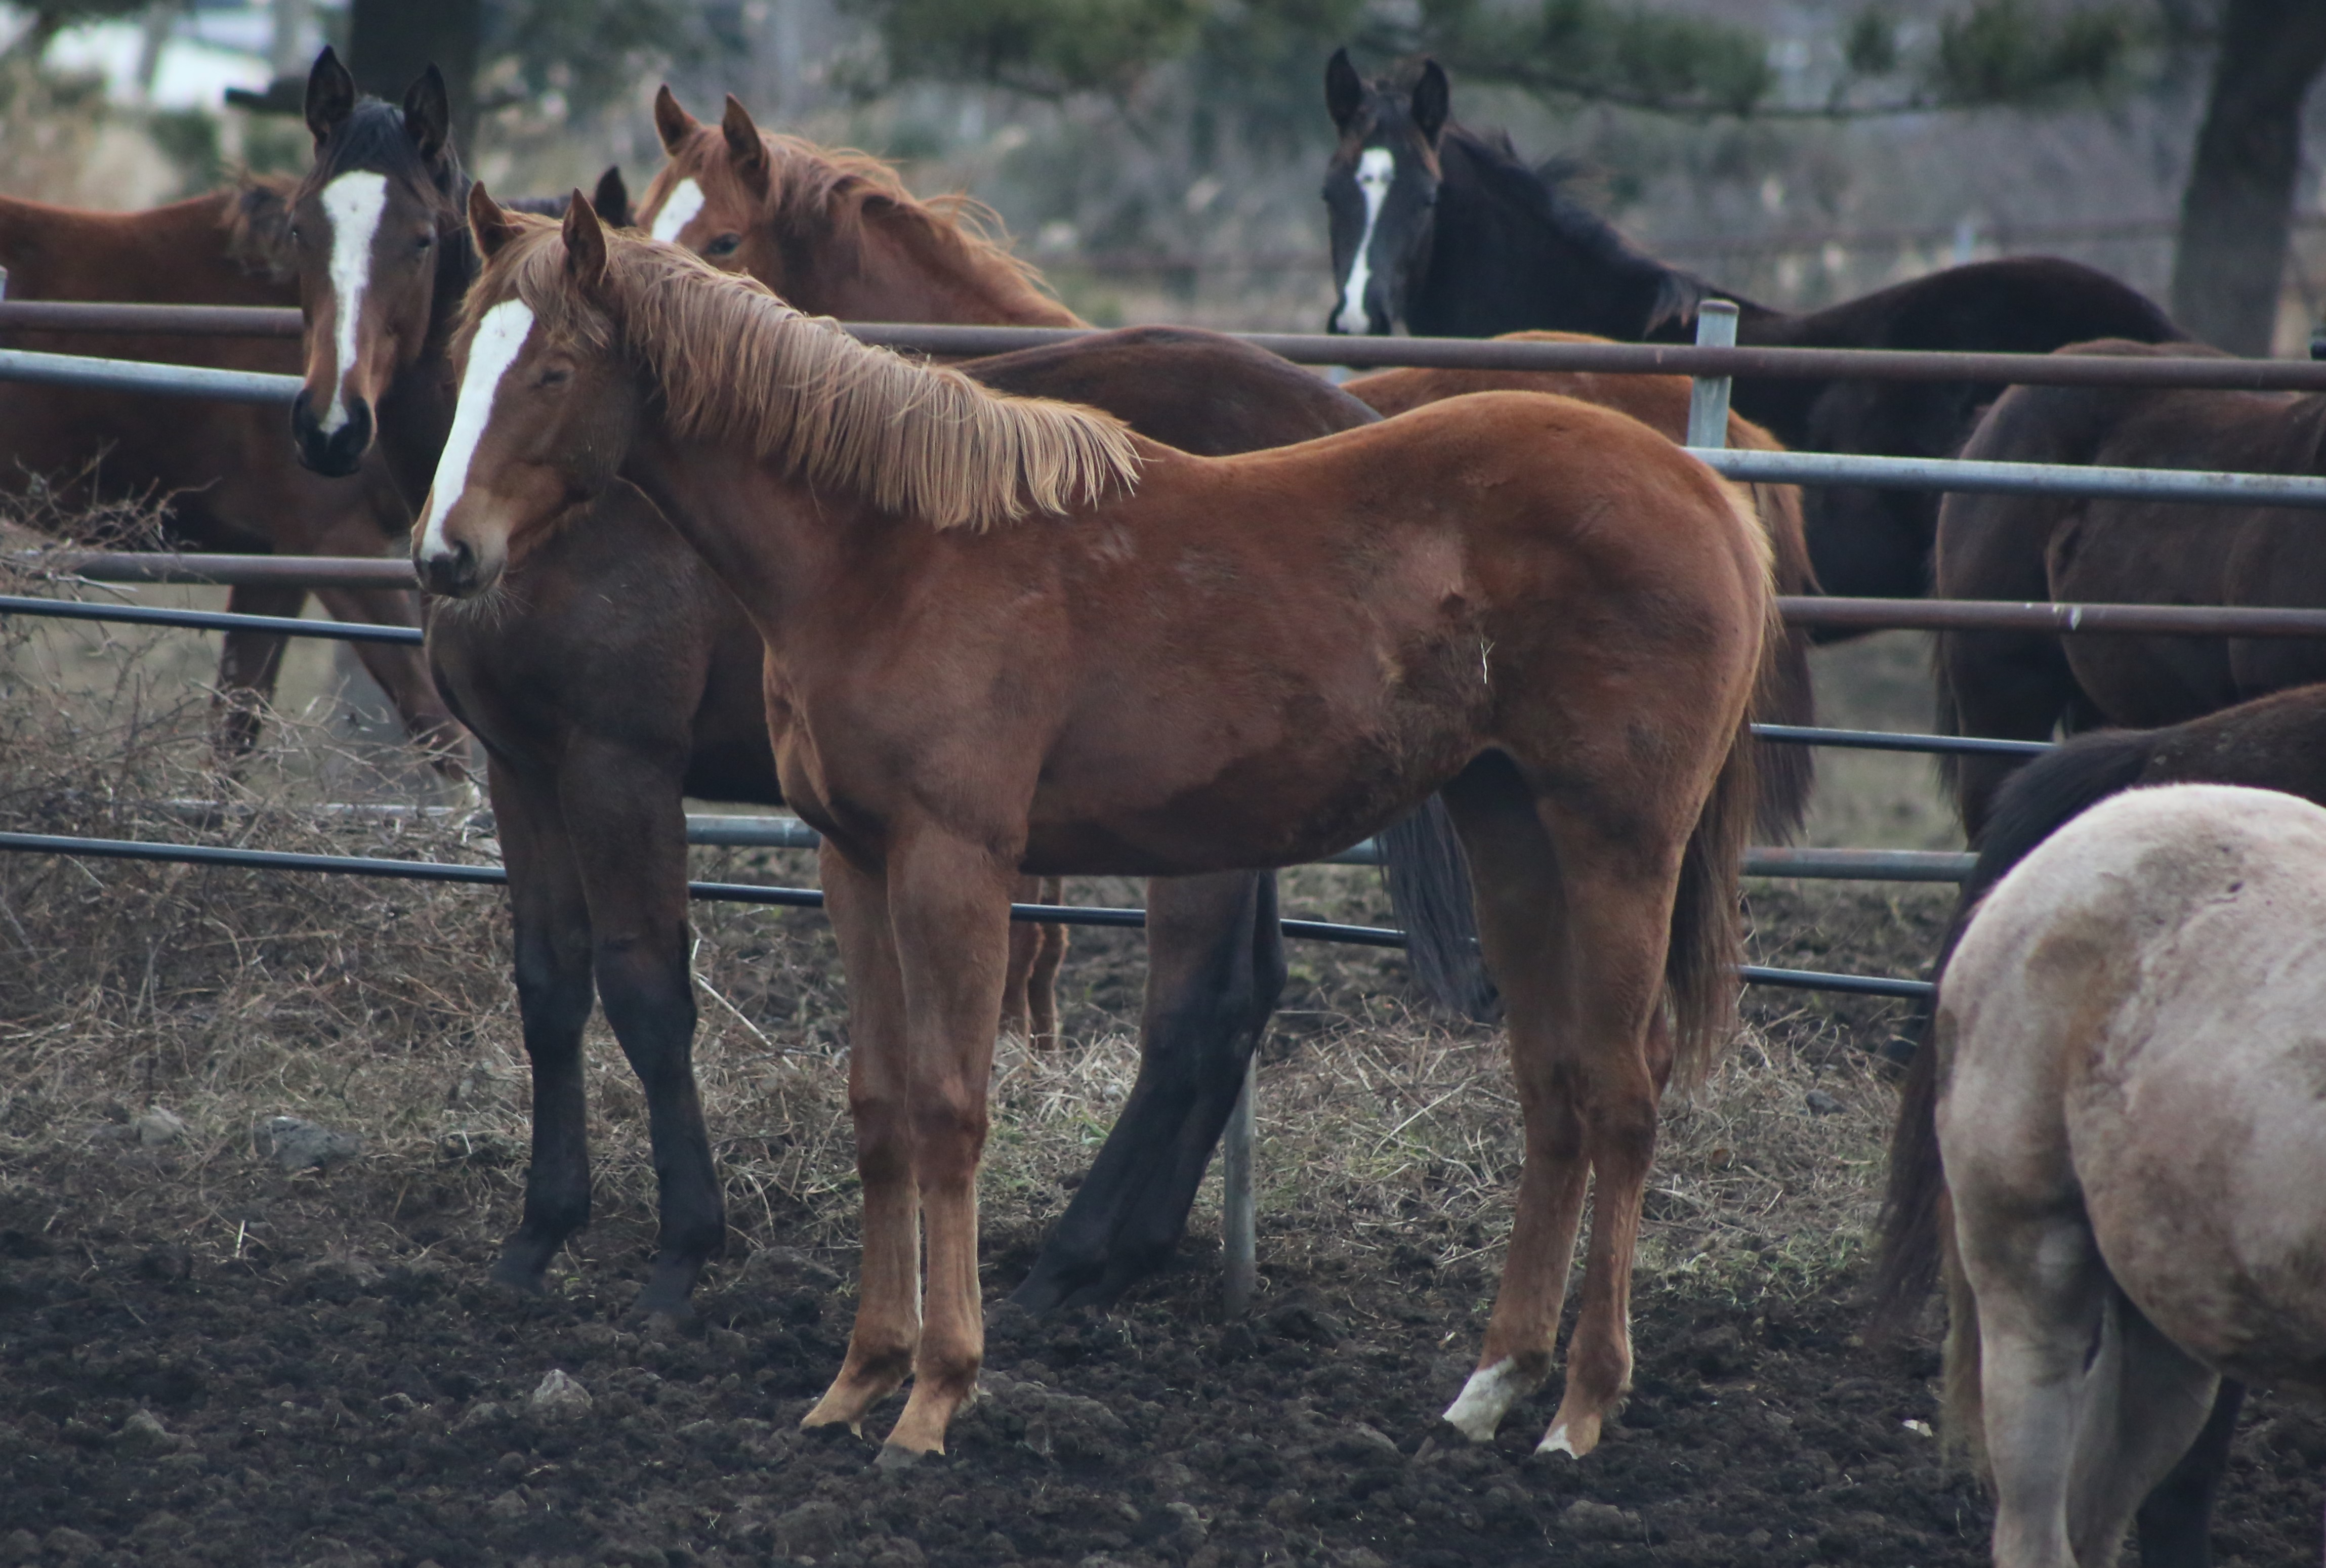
(919, 1092)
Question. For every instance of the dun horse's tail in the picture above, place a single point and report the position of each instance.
(1962, 1401)
(2034, 803)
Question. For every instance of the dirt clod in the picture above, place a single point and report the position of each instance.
(561, 1396)
(298, 1144)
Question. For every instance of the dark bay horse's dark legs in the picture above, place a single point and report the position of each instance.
(2173, 1526)
(1216, 969)
(626, 817)
(552, 931)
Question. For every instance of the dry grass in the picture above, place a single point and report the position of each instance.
(385, 1008)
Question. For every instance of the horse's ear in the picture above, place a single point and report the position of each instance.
(672, 123)
(331, 94)
(1433, 101)
(585, 243)
(744, 148)
(1344, 89)
(428, 113)
(612, 199)
(491, 226)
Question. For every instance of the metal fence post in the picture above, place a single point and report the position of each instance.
(1240, 1210)
(1708, 398)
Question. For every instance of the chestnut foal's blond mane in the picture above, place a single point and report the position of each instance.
(735, 362)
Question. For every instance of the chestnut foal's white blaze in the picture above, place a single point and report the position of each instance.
(1376, 173)
(353, 203)
(499, 337)
(686, 201)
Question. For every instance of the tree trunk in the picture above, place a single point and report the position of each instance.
(391, 41)
(2237, 215)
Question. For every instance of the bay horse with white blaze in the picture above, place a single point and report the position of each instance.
(1449, 231)
(1007, 635)
(2127, 1042)
(218, 469)
(614, 675)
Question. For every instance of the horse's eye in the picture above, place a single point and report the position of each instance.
(423, 241)
(295, 234)
(555, 376)
(725, 244)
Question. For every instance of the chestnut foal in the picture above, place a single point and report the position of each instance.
(1005, 635)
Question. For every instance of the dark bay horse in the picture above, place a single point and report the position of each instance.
(615, 675)
(1008, 634)
(2130, 1154)
(220, 468)
(2033, 547)
(1449, 231)
(2274, 743)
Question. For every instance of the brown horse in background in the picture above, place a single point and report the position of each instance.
(219, 469)
(1007, 635)
(2025, 685)
(616, 675)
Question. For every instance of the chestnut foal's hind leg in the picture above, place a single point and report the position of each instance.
(552, 931)
(1574, 917)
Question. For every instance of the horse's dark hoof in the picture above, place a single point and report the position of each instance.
(521, 1276)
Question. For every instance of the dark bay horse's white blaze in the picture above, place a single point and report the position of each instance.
(2133, 1059)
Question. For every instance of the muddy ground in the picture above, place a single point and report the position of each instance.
(331, 1381)
(206, 1359)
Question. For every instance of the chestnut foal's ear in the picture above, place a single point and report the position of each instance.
(585, 243)
(612, 199)
(491, 226)
(1433, 101)
(331, 94)
(744, 148)
(1344, 89)
(672, 123)
(428, 113)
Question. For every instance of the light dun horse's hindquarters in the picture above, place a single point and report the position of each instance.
(2128, 1120)
(1541, 606)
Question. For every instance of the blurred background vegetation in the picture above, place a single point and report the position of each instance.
(1160, 158)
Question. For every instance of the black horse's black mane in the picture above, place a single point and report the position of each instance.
(1539, 191)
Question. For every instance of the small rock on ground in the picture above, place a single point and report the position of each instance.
(298, 1144)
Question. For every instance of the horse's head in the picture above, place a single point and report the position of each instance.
(1379, 189)
(375, 228)
(546, 406)
(713, 195)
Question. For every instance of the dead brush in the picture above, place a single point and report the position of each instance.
(385, 1009)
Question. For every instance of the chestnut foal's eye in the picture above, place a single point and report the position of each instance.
(725, 244)
(555, 376)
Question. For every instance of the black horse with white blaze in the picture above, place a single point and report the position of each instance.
(1449, 232)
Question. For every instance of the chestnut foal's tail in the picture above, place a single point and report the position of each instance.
(2033, 804)
(1707, 933)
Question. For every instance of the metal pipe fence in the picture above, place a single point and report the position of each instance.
(229, 856)
(2200, 371)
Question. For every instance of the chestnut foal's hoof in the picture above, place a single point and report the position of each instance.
(894, 1460)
